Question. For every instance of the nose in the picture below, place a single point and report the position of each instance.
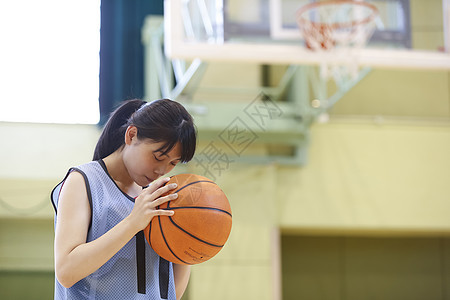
(160, 171)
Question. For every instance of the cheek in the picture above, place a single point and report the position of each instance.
(137, 161)
(169, 168)
(145, 163)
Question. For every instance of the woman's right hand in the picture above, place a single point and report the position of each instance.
(145, 205)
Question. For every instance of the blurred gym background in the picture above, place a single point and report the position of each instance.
(347, 201)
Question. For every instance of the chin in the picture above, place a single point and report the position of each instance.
(149, 180)
(143, 182)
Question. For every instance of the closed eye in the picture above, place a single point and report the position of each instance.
(174, 163)
(157, 158)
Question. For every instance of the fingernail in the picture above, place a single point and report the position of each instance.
(173, 185)
(174, 196)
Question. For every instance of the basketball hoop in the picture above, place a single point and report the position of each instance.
(338, 29)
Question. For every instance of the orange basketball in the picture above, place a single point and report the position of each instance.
(200, 225)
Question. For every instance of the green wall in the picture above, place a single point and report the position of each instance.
(356, 267)
(30, 285)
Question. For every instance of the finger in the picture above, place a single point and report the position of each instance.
(162, 200)
(156, 184)
(164, 190)
(163, 212)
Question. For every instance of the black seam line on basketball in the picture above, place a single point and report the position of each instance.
(197, 238)
(194, 182)
(165, 241)
(199, 207)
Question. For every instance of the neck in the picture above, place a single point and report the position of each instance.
(118, 172)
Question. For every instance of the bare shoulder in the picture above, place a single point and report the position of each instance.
(75, 178)
(73, 200)
(74, 186)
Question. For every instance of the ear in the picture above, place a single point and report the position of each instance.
(130, 134)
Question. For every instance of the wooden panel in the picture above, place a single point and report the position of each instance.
(392, 268)
(355, 268)
(311, 268)
(26, 285)
(445, 254)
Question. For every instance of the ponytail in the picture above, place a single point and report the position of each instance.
(113, 134)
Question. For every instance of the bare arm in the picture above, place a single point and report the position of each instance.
(74, 257)
(181, 275)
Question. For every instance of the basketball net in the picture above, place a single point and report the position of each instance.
(337, 29)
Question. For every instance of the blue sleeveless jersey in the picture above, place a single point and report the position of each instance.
(117, 278)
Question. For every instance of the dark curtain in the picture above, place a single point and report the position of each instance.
(121, 51)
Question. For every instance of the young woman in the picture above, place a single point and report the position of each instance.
(103, 206)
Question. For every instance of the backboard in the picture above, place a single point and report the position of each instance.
(409, 33)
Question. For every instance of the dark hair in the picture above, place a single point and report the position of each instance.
(162, 120)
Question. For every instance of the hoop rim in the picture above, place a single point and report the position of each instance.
(337, 25)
